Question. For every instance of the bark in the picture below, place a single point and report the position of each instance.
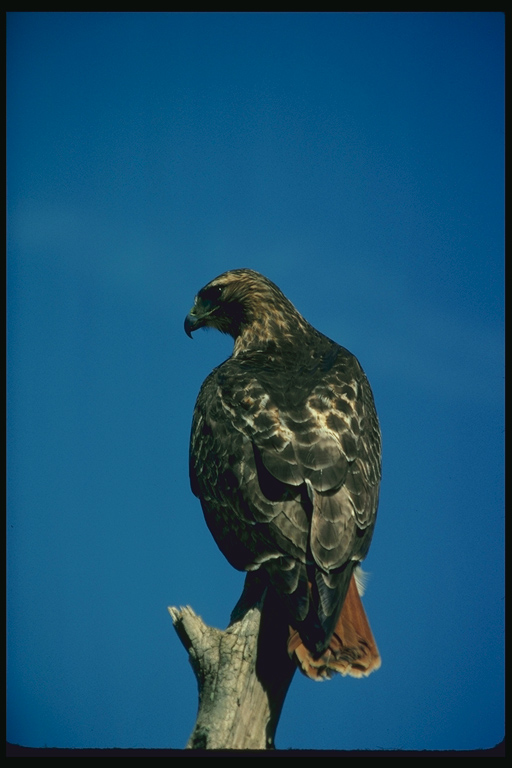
(243, 672)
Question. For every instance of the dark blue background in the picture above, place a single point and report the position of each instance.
(358, 161)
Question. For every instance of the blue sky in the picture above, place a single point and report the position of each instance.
(358, 161)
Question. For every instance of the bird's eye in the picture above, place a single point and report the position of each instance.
(211, 295)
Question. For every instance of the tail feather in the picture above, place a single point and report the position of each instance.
(352, 649)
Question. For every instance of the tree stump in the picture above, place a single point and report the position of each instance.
(243, 672)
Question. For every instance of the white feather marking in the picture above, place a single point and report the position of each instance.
(362, 578)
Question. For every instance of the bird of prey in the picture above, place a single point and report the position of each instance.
(285, 457)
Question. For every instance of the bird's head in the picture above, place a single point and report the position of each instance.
(236, 301)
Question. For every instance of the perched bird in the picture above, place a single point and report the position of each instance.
(285, 457)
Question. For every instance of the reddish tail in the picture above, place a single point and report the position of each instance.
(352, 650)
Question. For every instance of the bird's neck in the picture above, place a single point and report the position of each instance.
(273, 334)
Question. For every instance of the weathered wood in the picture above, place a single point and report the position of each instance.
(243, 673)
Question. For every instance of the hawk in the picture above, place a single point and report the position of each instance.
(285, 457)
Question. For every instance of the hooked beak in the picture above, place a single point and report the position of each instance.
(196, 318)
(192, 322)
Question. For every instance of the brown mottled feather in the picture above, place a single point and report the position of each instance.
(285, 458)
